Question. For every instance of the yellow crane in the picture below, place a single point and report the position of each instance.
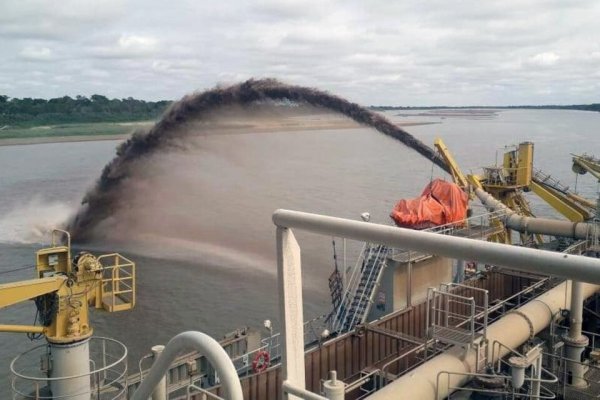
(63, 289)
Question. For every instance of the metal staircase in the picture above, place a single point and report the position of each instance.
(361, 289)
(546, 179)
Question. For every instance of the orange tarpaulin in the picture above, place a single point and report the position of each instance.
(440, 203)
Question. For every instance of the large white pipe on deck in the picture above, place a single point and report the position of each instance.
(512, 330)
(205, 345)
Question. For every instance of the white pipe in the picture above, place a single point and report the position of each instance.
(575, 341)
(576, 314)
(69, 360)
(160, 392)
(543, 226)
(334, 389)
(581, 268)
(512, 330)
(205, 345)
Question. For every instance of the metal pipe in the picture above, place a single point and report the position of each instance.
(70, 370)
(575, 341)
(543, 226)
(334, 389)
(524, 259)
(208, 347)
(160, 392)
(576, 313)
(23, 328)
(512, 330)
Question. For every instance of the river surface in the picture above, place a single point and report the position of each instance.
(340, 172)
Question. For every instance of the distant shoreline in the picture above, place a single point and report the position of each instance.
(231, 129)
(60, 139)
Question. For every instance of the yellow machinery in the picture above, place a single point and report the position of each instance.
(517, 175)
(63, 289)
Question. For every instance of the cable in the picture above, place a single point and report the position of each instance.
(16, 269)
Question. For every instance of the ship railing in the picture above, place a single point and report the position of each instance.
(549, 180)
(315, 331)
(117, 290)
(366, 385)
(577, 248)
(405, 361)
(108, 373)
(457, 313)
(558, 362)
(192, 389)
(475, 227)
(505, 389)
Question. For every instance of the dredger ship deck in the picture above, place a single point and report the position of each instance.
(453, 311)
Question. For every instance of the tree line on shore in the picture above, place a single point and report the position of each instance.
(96, 108)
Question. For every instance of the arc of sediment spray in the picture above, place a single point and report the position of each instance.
(99, 202)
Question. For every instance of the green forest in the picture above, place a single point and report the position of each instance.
(29, 112)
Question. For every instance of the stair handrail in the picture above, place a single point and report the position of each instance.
(363, 295)
(350, 291)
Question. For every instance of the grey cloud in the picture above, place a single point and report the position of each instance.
(374, 52)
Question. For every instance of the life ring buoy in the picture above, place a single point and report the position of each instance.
(261, 361)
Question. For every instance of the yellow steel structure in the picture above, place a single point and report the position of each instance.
(457, 175)
(561, 202)
(65, 287)
(17, 292)
(584, 163)
(515, 176)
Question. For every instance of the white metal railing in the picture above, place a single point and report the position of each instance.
(464, 228)
(206, 395)
(313, 335)
(108, 372)
(289, 268)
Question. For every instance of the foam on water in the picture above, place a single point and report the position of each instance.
(32, 221)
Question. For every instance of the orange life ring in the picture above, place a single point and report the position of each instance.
(261, 361)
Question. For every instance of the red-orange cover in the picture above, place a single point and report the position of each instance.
(440, 203)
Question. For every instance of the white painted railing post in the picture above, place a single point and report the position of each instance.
(289, 271)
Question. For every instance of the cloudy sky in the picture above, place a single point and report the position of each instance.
(393, 52)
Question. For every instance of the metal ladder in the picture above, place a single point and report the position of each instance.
(363, 298)
(547, 179)
(358, 298)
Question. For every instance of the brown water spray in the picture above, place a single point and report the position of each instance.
(101, 201)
